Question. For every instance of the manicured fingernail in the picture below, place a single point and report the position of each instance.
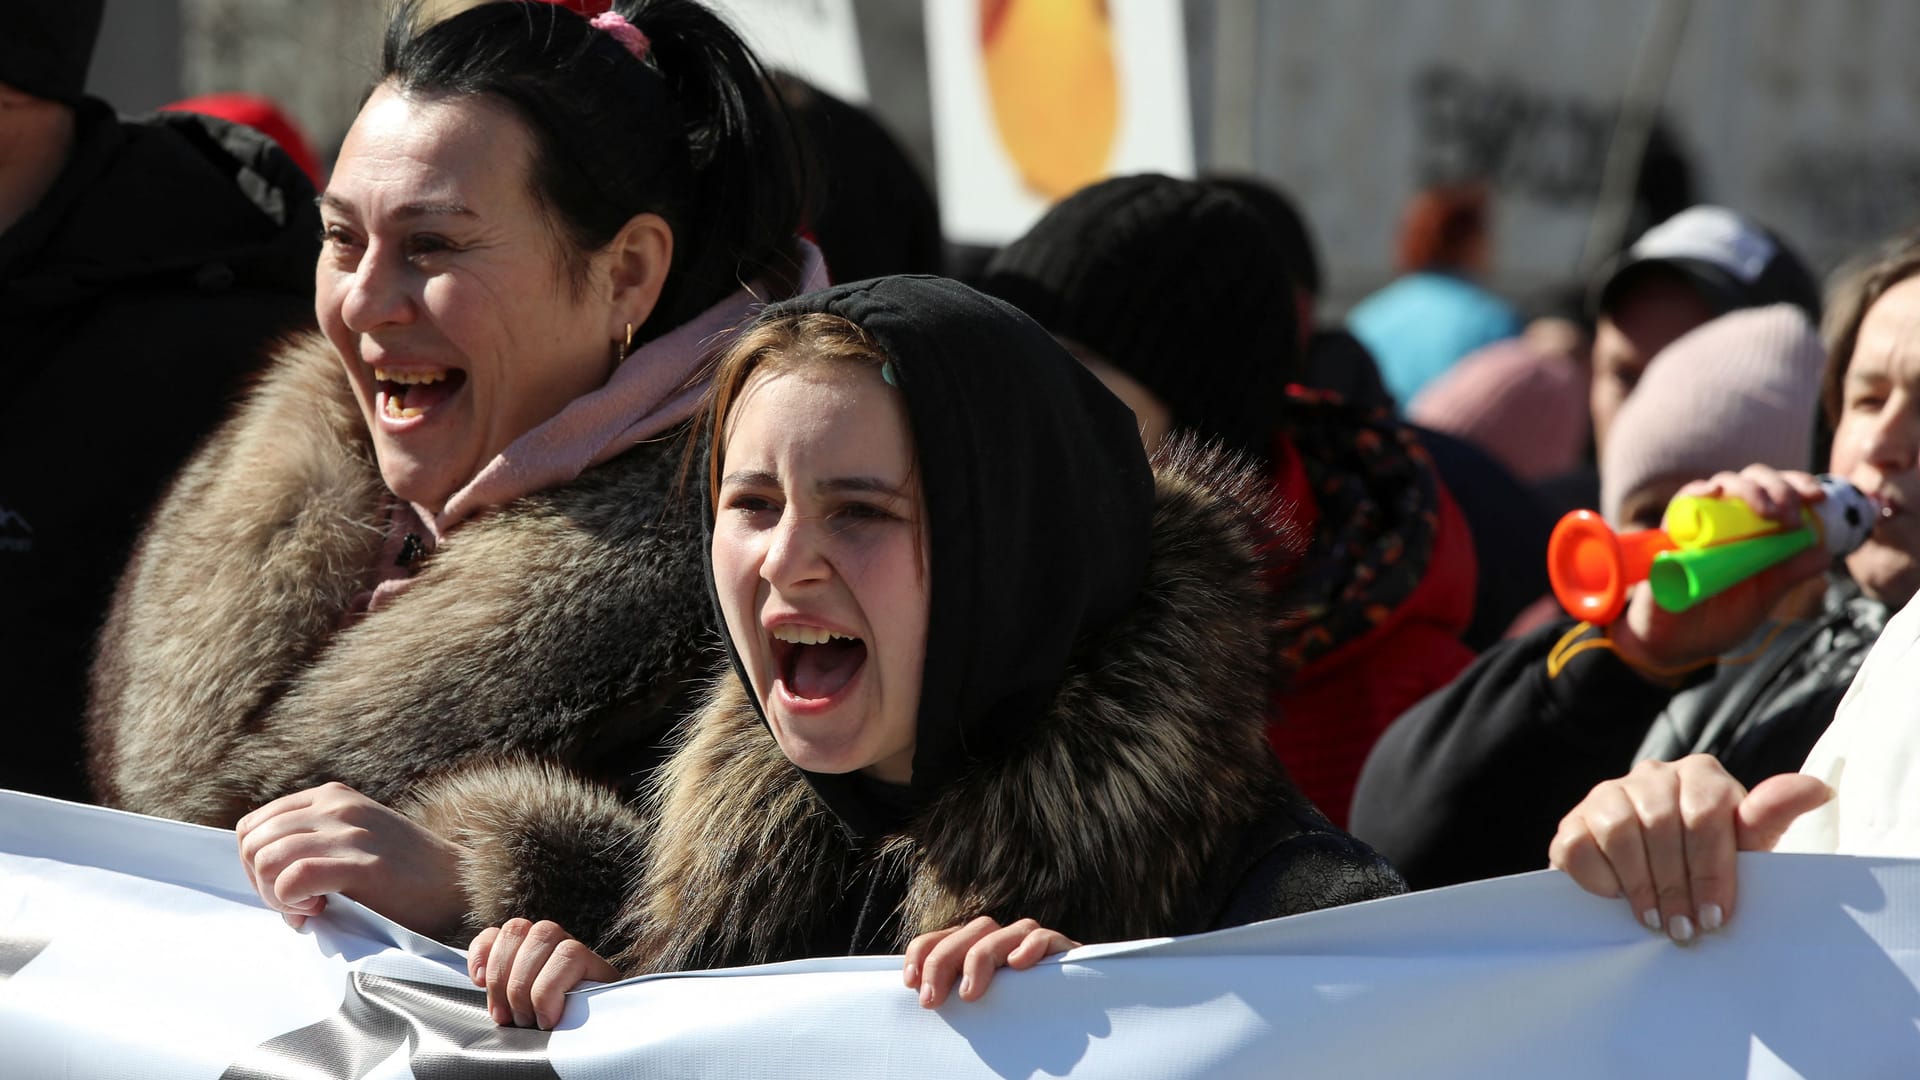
(500, 1015)
(912, 974)
(520, 1020)
(1651, 918)
(542, 1022)
(480, 974)
(1680, 929)
(1711, 917)
(966, 985)
(926, 993)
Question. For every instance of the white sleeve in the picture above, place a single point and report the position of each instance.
(1870, 756)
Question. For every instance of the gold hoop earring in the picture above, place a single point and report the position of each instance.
(623, 349)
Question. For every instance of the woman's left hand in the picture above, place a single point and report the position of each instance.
(332, 839)
(526, 968)
(972, 953)
(1665, 838)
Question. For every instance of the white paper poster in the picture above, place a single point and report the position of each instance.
(1034, 99)
(131, 947)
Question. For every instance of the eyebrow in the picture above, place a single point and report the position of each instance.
(872, 485)
(403, 212)
(839, 484)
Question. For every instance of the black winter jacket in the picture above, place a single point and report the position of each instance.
(1472, 782)
(133, 302)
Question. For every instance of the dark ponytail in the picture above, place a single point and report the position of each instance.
(692, 133)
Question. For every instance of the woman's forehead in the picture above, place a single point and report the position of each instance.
(408, 151)
(828, 410)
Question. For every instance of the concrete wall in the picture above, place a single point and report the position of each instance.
(315, 57)
(137, 58)
(1804, 113)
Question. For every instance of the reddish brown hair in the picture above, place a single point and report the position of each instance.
(1443, 227)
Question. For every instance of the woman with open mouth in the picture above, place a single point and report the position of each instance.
(997, 684)
(450, 525)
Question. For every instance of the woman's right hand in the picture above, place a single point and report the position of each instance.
(527, 968)
(1665, 835)
(332, 839)
(1650, 638)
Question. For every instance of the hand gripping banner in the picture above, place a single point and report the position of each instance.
(132, 947)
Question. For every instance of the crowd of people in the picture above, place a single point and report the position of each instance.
(614, 548)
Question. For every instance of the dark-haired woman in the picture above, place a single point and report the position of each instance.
(447, 528)
(997, 684)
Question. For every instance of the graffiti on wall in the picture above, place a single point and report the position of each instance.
(1547, 147)
(1845, 199)
(1551, 147)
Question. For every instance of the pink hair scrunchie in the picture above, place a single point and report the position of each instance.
(624, 32)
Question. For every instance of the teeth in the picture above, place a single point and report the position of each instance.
(806, 635)
(409, 378)
(398, 411)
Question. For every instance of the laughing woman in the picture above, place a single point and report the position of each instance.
(450, 527)
(997, 684)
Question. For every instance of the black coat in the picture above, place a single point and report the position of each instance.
(1510, 530)
(1472, 782)
(133, 302)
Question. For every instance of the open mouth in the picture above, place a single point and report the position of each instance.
(406, 394)
(815, 663)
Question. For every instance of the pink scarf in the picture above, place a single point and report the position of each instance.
(654, 390)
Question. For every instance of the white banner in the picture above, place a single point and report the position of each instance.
(132, 947)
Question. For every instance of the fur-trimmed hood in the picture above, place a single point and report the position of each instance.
(1143, 800)
(571, 625)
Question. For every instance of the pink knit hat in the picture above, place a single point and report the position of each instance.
(1737, 391)
(1525, 406)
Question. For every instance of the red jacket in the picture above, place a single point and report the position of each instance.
(1335, 706)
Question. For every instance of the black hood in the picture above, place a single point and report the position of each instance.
(1039, 503)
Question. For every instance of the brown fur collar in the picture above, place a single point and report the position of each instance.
(1148, 767)
(570, 626)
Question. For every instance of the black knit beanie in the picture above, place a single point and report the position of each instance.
(1175, 282)
(46, 45)
(1298, 258)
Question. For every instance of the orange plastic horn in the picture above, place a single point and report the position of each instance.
(1592, 567)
